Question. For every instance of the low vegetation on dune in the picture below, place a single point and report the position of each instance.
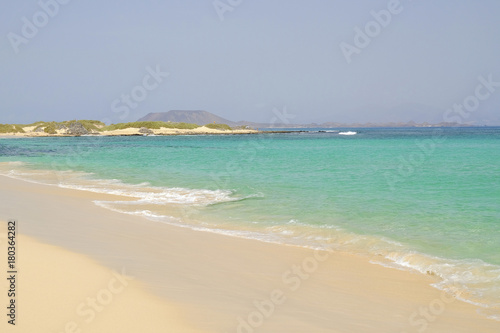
(86, 127)
(89, 124)
(49, 128)
(223, 127)
(53, 126)
(149, 125)
(6, 128)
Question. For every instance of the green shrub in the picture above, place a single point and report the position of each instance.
(51, 127)
(37, 123)
(19, 129)
(89, 125)
(223, 127)
(7, 128)
(149, 124)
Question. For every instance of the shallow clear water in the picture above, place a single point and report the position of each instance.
(428, 199)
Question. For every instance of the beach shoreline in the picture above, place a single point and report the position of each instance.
(229, 284)
(202, 130)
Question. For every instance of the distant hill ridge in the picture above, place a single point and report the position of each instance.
(198, 117)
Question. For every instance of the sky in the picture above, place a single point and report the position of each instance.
(299, 61)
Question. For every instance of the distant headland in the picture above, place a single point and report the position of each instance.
(179, 122)
(98, 128)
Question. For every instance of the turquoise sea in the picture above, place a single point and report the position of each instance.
(424, 199)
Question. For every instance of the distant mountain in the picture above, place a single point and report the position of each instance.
(198, 117)
(201, 117)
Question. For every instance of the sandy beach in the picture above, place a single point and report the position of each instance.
(61, 291)
(71, 250)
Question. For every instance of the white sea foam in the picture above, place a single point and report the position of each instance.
(159, 195)
(472, 281)
(144, 193)
(348, 133)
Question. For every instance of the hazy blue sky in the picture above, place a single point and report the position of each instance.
(251, 57)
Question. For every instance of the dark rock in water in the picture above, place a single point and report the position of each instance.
(144, 130)
(77, 128)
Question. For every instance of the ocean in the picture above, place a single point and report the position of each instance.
(422, 199)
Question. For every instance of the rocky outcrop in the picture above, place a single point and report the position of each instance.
(76, 128)
(146, 131)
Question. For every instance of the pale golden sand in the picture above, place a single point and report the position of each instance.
(61, 291)
(176, 131)
(211, 282)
